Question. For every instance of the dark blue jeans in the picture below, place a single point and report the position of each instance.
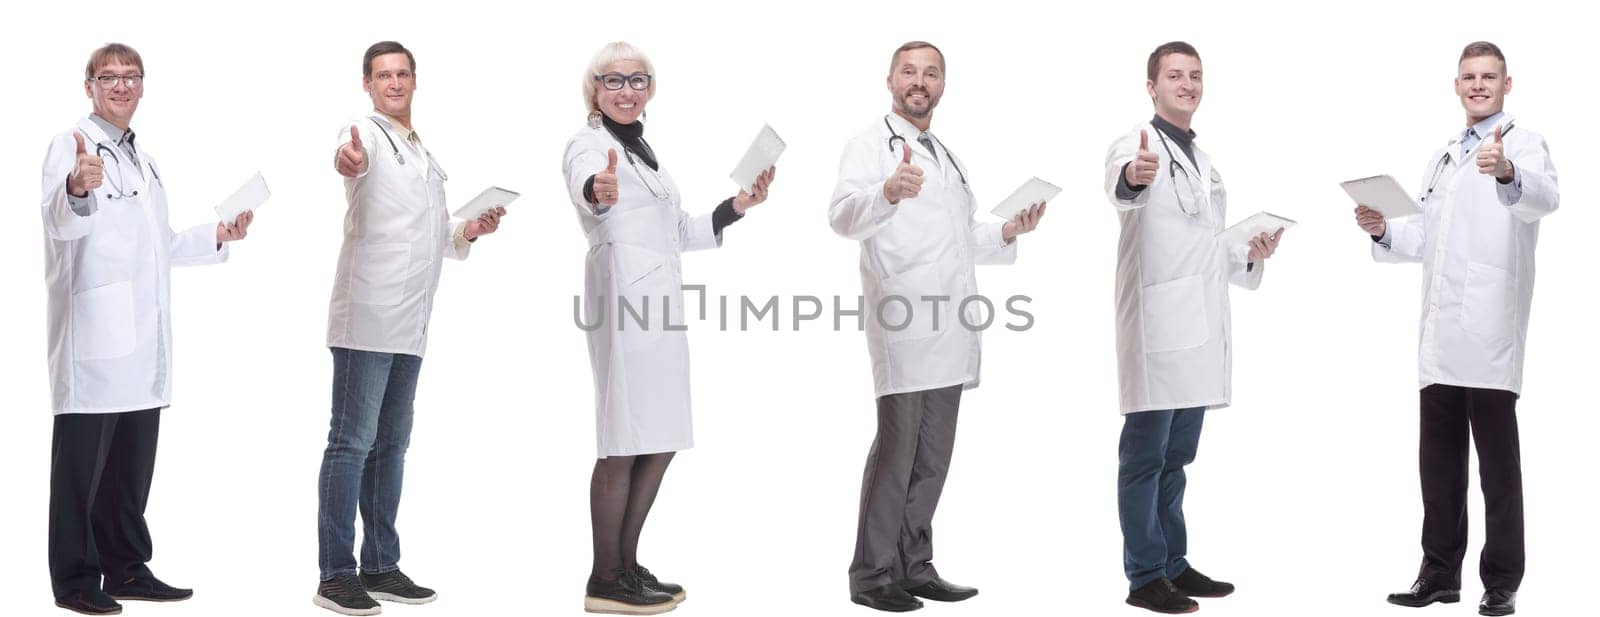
(1150, 458)
(364, 462)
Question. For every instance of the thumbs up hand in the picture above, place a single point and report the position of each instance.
(1141, 171)
(906, 182)
(88, 171)
(605, 182)
(1492, 158)
(351, 159)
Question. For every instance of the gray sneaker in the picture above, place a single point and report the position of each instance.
(343, 595)
(395, 586)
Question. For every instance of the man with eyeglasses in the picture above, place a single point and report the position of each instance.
(904, 196)
(1174, 348)
(1486, 192)
(108, 254)
(397, 234)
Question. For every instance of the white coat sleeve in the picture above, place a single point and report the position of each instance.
(369, 133)
(197, 246)
(65, 217)
(1531, 158)
(1242, 274)
(694, 232)
(1121, 153)
(459, 248)
(583, 158)
(989, 247)
(859, 209)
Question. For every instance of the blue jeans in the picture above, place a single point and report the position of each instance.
(364, 462)
(1150, 458)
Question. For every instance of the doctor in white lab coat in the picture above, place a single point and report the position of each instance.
(397, 232)
(904, 196)
(108, 257)
(1174, 347)
(1483, 196)
(631, 213)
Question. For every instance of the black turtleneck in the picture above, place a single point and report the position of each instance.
(1184, 140)
(632, 137)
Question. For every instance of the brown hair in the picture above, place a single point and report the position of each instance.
(1167, 49)
(1479, 49)
(112, 52)
(382, 48)
(895, 59)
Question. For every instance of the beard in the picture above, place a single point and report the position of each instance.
(904, 102)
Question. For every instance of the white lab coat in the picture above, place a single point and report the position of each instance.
(397, 231)
(1477, 262)
(1174, 331)
(108, 274)
(924, 246)
(633, 273)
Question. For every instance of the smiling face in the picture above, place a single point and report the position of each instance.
(1482, 84)
(117, 102)
(1177, 88)
(917, 82)
(626, 105)
(391, 85)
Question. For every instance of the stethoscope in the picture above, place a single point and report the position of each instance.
(401, 158)
(1173, 168)
(1444, 161)
(664, 195)
(104, 151)
(893, 136)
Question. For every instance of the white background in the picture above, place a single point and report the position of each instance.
(1305, 492)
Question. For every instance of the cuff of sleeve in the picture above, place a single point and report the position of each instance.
(1510, 192)
(588, 191)
(82, 206)
(1125, 191)
(1386, 239)
(460, 236)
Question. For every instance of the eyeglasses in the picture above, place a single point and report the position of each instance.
(615, 81)
(110, 81)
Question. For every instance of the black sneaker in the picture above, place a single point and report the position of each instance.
(1162, 596)
(626, 595)
(395, 586)
(1196, 585)
(343, 595)
(651, 582)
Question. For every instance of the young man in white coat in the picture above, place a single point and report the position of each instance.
(1174, 348)
(397, 233)
(108, 257)
(904, 196)
(1486, 191)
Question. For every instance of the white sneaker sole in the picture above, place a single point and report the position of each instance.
(592, 604)
(389, 597)
(334, 606)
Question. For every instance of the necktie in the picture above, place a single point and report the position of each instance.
(927, 142)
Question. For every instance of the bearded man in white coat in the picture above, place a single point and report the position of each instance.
(1174, 332)
(904, 196)
(1486, 191)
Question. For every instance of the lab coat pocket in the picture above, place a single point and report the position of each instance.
(902, 305)
(378, 275)
(1175, 315)
(102, 322)
(1488, 308)
(634, 265)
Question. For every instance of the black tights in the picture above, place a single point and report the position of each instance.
(620, 495)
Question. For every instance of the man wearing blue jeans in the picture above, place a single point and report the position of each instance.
(397, 232)
(1174, 353)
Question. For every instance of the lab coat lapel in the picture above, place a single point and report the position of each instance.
(129, 172)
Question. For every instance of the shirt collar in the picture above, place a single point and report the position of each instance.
(1184, 138)
(904, 127)
(121, 136)
(406, 135)
(1483, 128)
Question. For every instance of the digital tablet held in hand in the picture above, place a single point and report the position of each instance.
(1255, 225)
(1032, 192)
(1382, 193)
(491, 198)
(762, 154)
(246, 199)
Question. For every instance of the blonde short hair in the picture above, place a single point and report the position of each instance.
(112, 52)
(610, 54)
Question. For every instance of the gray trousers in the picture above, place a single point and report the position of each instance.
(900, 488)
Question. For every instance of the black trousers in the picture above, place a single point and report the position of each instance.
(100, 470)
(1452, 417)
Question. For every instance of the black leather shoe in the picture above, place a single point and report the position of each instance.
(1425, 592)
(1196, 585)
(1498, 602)
(1162, 596)
(651, 582)
(940, 590)
(890, 598)
(91, 602)
(626, 595)
(148, 589)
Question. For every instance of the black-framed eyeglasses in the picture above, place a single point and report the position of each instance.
(110, 81)
(615, 81)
